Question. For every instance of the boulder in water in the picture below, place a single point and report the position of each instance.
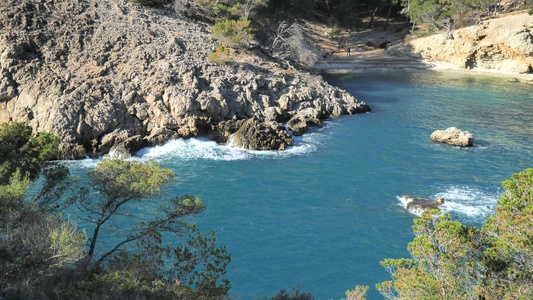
(419, 203)
(453, 136)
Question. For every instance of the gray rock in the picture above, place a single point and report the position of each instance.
(453, 136)
(84, 70)
(257, 135)
(297, 125)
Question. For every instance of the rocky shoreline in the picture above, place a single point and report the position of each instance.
(500, 46)
(108, 75)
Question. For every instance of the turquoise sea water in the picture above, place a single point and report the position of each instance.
(324, 213)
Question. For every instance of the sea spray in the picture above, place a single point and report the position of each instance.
(466, 203)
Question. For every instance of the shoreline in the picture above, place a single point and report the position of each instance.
(380, 60)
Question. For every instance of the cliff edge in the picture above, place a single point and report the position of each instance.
(107, 74)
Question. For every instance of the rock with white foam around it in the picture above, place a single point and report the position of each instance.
(418, 203)
(453, 136)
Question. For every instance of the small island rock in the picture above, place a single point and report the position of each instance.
(418, 203)
(453, 136)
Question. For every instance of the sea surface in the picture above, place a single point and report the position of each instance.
(323, 214)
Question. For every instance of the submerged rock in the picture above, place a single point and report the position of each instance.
(418, 203)
(453, 136)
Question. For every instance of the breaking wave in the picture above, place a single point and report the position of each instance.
(198, 148)
(464, 202)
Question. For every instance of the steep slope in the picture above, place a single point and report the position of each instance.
(106, 74)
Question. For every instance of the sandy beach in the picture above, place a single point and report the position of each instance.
(365, 53)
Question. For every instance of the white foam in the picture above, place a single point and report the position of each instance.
(87, 163)
(197, 148)
(463, 201)
(191, 149)
(403, 202)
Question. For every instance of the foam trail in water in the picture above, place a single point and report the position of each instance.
(463, 201)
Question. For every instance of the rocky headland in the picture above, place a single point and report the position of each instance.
(109, 75)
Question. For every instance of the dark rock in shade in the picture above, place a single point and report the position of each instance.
(297, 125)
(385, 45)
(369, 44)
(453, 136)
(104, 83)
(418, 203)
(256, 135)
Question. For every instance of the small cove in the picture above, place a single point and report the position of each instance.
(324, 213)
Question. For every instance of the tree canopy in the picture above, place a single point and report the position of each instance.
(452, 261)
(44, 254)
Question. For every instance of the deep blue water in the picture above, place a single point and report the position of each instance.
(324, 213)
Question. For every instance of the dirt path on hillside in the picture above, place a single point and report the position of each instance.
(366, 46)
(365, 53)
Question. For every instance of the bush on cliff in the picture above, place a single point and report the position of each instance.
(235, 34)
(221, 56)
(151, 3)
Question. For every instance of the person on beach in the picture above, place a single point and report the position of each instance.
(348, 51)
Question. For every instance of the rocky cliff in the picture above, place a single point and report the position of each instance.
(500, 44)
(106, 74)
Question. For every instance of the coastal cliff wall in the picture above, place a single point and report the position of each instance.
(106, 74)
(500, 44)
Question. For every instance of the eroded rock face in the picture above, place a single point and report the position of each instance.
(504, 44)
(256, 135)
(109, 75)
(453, 136)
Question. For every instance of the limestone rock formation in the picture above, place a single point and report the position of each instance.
(503, 44)
(297, 125)
(422, 204)
(453, 136)
(256, 135)
(109, 75)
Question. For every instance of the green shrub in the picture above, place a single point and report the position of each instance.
(151, 3)
(221, 56)
(231, 33)
(530, 12)
(335, 31)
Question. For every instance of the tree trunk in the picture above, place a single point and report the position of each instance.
(93, 240)
(373, 15)
(388, 14)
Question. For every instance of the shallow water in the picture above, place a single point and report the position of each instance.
(324, 213)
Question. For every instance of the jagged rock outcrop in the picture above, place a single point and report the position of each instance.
(106, 74)
(453, 136)
(503, 44)
(256, 135)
